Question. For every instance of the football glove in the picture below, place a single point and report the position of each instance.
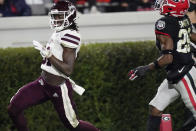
(45, 53)
(138, 72)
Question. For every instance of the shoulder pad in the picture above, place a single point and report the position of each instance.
(165, 26)
(164, 22)
(70, 39)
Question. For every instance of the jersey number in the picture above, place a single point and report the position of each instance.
(183, 44)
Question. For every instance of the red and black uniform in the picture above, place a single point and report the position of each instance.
(181, 74)
(179, 29)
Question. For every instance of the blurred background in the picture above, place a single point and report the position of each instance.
(41, 7)
(99, 21)
(111, 101)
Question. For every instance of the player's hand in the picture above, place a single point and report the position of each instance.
(138, 72)
(45, 53)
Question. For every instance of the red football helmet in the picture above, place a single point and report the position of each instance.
(62, 15)
(176, 8)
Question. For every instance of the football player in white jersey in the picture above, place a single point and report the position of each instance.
(54, 84)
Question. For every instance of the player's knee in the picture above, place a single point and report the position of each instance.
(12, 110)
(154, 111)
(85, 126)
(9, 109)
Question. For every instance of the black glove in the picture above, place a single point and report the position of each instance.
(138, 72)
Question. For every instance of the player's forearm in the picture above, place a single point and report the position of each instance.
(161, 62)
(61, 66)
(193, 37)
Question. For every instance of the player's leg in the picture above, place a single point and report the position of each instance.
(85, 126)
(187, 89)
(189, 124)
(166, 94)
(65, 106)
(26, 96)
(154, 119)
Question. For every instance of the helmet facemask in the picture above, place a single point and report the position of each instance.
(158, 4)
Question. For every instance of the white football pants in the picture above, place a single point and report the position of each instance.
(168, 93)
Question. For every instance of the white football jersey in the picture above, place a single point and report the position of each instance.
(66, 38)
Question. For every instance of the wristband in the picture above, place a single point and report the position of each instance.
(167, 52)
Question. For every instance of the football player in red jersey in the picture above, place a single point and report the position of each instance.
(54, 84)
(173, 37)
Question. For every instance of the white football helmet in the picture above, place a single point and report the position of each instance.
(62, 15)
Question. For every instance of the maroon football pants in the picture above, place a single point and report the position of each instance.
(38, 92)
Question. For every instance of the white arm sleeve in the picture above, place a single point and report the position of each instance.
(70, 40)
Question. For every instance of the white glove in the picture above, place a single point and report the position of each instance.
(45, 53)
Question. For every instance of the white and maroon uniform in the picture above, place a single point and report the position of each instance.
(58, 40)
(70, 39)
(63, 15)
(39, 91)
(66, 38)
